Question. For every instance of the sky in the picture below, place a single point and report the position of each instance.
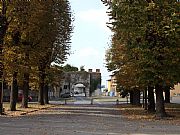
(90, 36)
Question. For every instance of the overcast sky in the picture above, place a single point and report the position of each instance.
(91, 36)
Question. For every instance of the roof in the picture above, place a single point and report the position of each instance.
(79, 85)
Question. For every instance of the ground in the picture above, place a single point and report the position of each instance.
(83, 119)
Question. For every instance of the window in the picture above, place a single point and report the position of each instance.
(65, 86)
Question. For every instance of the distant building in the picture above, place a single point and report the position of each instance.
(80, 83)
(176, 90)
(112, 85)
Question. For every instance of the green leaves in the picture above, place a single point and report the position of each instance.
(145, 45)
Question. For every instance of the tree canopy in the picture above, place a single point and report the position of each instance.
(145, 47)
(35, 34)
(146, 38)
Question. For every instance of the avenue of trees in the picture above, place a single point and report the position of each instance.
(145, 48)
(33, 35)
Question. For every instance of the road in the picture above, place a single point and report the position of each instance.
(80, 100)
(101, 100)
(81, 119)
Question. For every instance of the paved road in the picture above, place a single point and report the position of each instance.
(81, 120)
(80, 100)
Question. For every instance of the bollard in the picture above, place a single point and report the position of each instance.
(127, 99)
(91, 101)
(117, 102)
(65, 101)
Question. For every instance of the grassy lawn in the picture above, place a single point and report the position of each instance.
(138, 113)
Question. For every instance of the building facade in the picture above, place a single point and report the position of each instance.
(80, 83)
(112, 86)
(176, 90)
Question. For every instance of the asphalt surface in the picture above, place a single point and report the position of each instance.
(81, 119)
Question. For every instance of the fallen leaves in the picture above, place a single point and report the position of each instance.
(138, 113)
(33, 107)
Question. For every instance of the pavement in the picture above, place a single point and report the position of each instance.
(102, 100)
(81, 100)
(80, 119)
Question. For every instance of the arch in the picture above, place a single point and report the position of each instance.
(79, 89)
(79, 85)
(85, 84)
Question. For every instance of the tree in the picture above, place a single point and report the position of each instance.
(54, 48)
(19, 13)
(68, 68)
(81, 68)
(94, 84)
(151, 101)
(3, 27)
(6, 15)
(151, 29)
(44, 29)
(55, 74)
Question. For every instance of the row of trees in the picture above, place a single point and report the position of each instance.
(145, 50)
(33, 35)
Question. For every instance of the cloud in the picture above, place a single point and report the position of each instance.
(88, 52)
(91, 57)
(98, 17)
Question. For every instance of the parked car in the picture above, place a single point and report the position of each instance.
(76, 92)
(7, 98)
(20, 96)
(66, 95)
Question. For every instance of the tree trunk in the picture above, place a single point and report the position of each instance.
(1, 80)
(160, 109)
(167, 94)
(151, 102)
(1, 97)
(143, 104)
(25, 90)
(46, 98)
(3, 28)
(136, 97)
(14, 93)
(145, 99)
(131, 97)
(41, 84)
(26, 77)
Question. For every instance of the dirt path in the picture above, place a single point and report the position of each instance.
(81, 120)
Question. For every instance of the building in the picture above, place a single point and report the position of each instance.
(80, 83)
(176, 90)
(112, 85)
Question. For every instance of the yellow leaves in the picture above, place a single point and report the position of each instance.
(44, 30)
(151, 5)
(10, 56)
